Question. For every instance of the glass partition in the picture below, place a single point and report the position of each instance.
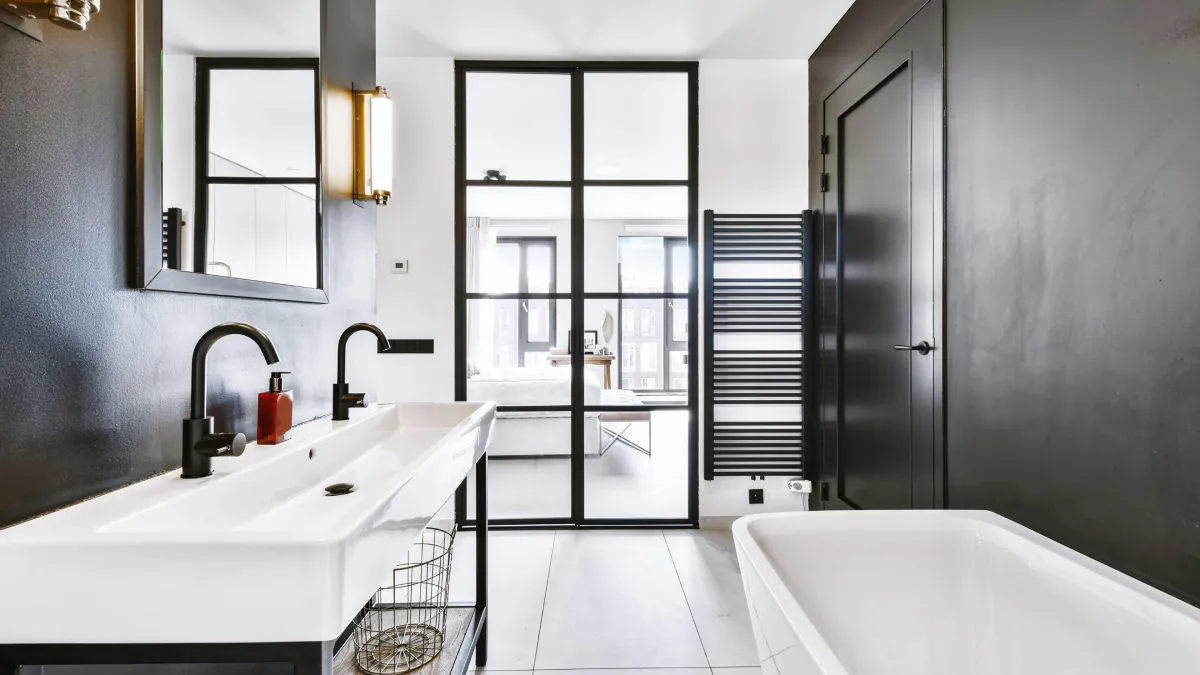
(577, 189)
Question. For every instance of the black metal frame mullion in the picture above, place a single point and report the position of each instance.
(578, 305)
(693, 292)
(460, 264)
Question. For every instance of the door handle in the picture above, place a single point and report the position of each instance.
(923, 348)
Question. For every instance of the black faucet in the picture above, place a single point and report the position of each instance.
(200, 444)
(343, 400)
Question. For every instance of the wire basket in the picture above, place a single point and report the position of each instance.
(404, 628)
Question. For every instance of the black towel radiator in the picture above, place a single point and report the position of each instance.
(758, 359)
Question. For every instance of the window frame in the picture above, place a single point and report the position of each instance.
(204, 69)
(667, 343)
(524, 243)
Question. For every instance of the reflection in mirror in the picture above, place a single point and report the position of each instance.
(241, 139)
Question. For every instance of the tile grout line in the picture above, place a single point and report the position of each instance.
(545, 595)
(635, 669)
(687, 602)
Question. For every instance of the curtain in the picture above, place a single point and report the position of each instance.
(475, 337)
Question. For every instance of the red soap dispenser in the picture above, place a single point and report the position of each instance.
(274, 412)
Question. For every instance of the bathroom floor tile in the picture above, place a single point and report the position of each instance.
(708, 571)
(737, 671)
(614, 601)
(518, 565)
(629, 671)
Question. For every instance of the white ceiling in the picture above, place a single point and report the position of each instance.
(242, 27)
(605, 29)
(512, 29)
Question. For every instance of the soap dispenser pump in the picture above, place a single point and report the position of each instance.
(275, 412)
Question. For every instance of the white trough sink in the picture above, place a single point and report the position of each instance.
(948, 593)
(257, 552)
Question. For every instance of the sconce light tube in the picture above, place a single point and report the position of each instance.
(373, 145)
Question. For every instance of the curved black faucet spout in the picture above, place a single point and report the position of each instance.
(343, 400)
(200, 443)
(384, 345)
(200, 359)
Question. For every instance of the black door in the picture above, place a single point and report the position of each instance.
(884, 125)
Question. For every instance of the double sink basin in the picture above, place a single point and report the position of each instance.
(257, 552)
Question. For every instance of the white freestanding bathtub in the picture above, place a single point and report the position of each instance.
(948, 593)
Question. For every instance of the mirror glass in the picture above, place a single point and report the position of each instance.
(241, 139)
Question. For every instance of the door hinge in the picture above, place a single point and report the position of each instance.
(824, 491)
(824, 144)
(824, 182)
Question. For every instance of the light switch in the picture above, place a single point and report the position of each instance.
(399, 267)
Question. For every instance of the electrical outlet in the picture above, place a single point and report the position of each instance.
(756, 496)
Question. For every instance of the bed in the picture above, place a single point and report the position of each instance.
(541, 433)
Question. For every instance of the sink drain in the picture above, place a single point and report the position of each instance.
(338, 489)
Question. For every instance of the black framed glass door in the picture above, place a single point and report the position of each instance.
(559, 166)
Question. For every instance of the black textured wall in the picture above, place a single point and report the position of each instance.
(1074, 275)
(1073, 272)
(93, 374)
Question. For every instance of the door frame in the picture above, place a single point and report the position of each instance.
(578, 296)
(825, 197)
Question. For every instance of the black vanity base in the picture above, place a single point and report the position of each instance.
(307, 658)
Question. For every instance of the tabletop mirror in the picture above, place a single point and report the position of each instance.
(231, 147)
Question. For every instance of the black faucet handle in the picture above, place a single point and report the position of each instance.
(219, 445)
(355, 400)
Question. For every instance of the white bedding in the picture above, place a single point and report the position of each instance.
(531, 386)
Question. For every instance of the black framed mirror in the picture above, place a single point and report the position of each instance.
(229, 156)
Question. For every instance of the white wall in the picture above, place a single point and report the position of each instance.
(418, 225)
(179, 134)
(753, 158)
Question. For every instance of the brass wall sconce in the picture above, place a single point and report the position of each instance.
(70, 14)
(373, 145)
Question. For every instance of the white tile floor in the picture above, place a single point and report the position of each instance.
(661, 602)
(622, 483)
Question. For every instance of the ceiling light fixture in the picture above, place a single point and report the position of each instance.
(71, 14)
(373, 145)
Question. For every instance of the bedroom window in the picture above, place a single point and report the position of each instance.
(654, 327)
(528, 265)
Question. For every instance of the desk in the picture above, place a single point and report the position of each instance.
(605, 360)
